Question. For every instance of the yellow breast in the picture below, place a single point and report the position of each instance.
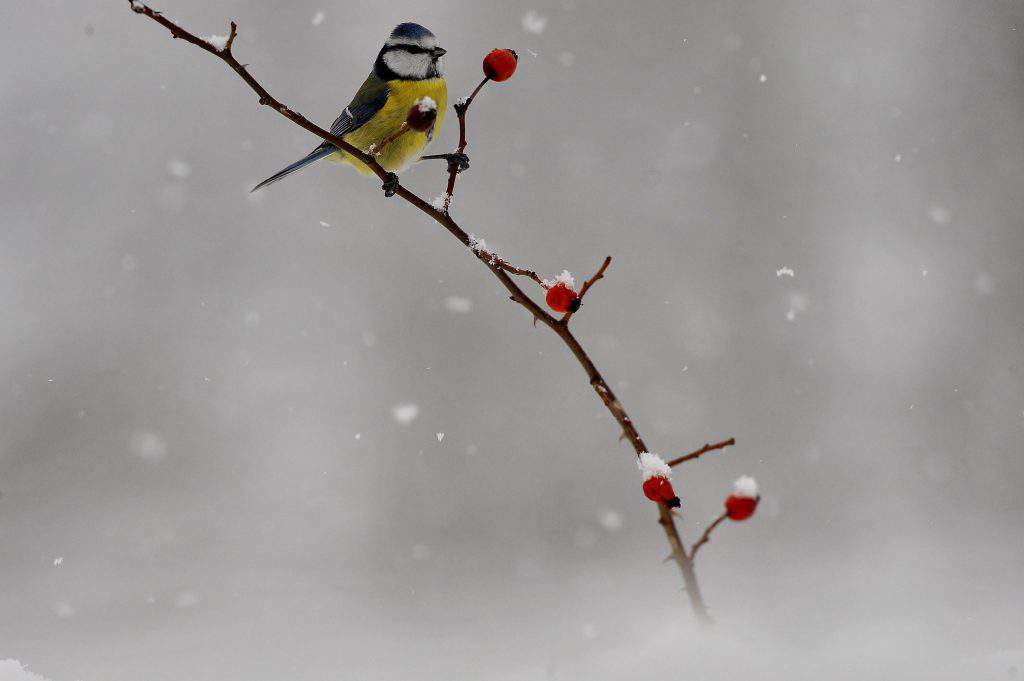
(407, 149)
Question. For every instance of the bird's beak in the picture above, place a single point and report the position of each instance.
(438, 52)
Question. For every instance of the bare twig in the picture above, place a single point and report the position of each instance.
(461, 107)
(703, 450)
(494, 259)
(498, 267)
(706, 537)
(586, 287)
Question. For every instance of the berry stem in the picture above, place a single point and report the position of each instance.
(706, 537)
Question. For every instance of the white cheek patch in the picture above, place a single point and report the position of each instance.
(406, 64)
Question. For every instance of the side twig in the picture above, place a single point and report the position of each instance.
(703, 450)
(586, 287)
(706, 537)
(454, 166)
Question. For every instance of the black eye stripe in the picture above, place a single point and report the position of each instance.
(415, 49)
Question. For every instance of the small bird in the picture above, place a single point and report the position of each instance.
(409, 67)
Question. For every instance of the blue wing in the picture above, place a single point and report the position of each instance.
(370, 99)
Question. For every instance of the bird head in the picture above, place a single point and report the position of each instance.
(411, 52)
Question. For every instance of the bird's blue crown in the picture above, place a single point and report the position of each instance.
(410, 31)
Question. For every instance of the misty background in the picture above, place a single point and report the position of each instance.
(222, 452)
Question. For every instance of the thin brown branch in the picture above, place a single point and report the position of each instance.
(499, 268)
(706, 537)
(703, 450)
(461, 108)
(513, 269)
(586, 287)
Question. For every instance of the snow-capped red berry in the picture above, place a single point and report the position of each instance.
(657, 486)
(560, 297)
(659, 490)
(740, 508)
(499, 65)
(422, 114)
(741, 504)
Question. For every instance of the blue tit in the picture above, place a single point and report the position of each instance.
(409, 67)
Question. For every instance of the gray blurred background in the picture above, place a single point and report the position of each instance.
(221, 454)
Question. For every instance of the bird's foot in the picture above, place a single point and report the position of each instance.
(390, 185)
(457, 162)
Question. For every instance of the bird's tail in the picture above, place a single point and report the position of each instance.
(314, 155)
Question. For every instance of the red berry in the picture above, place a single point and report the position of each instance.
(422, 114)
(560, 297)
(499, 65)
(659, 490)
(740, 508)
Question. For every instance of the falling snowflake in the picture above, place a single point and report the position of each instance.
(318, 18)
(797, 304)
(984, 284)
(939, 215)
(785, 272)
(610, 520)
(147, 445)
(405, 413)
(534, 23)
(458, 304)
(186, 599)
(179, 168)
